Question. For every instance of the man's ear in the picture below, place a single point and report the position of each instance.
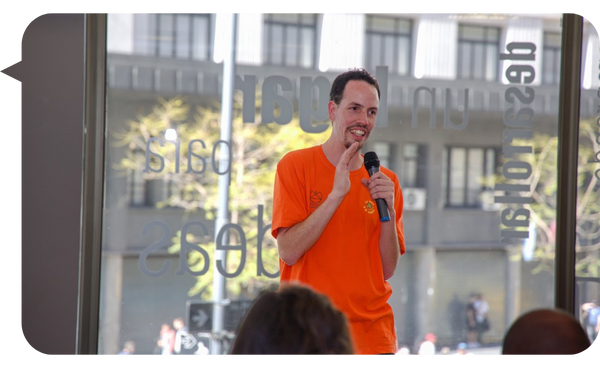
(332, 108)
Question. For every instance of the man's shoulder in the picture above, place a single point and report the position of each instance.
(389, 173)
(302, 154)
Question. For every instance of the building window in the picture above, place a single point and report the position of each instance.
(413, 167)
(146, 192)
(551, 59)
(182, 36)
(468, 172)
(388, 43)
(290, 39)
(384, 152)
(478, 49)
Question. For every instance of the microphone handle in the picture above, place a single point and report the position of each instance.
(384, 213)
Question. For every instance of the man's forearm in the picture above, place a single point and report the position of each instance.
(296, 240)
(389, 247)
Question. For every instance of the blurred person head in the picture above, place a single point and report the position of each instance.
(461, 348)
(293, 320)
(178, 323)
(128, 350)
(431, 337)
(545, 331)
(128, 347)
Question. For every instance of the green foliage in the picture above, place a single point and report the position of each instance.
(256, 148)
(543, 181)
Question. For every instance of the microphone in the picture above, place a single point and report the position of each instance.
(372, 166)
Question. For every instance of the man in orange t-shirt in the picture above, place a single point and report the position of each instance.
(329, 234)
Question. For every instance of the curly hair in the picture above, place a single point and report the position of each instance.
(293, 320)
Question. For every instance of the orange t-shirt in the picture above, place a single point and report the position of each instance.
(345, 263)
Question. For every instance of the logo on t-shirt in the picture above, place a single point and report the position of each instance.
(369, 206)
(315, 198)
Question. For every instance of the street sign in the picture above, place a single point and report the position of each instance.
(200, 313)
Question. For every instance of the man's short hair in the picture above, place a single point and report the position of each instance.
(339, 84)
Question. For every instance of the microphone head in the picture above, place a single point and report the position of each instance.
(371, 160)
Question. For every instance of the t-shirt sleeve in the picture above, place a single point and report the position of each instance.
(289, 203)
(399, 207)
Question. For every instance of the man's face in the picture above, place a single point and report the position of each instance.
(354, 118)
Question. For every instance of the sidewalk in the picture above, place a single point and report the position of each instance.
(484, 350)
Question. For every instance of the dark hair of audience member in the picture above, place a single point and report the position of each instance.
(545, 333)
(293, 320)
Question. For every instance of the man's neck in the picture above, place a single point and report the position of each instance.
(334, 150)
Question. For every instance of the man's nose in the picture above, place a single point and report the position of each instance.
(363, 117)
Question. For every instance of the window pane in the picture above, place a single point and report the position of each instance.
(182, 36)
(308, 19)
(307, 47)
(291, 45)
(478, 59)
(156, 220)
(491, 58)
(286, 18)
(276, 44)
(404, 26)
(376, 50)
(464, 64)
(472, 33)
(409, 170)
(403, 56)
(200, 38)
(165, 37)
(474, 176)
(493, 34)
(458, 157)
(383, 24)
(490, 168)
(389, 51)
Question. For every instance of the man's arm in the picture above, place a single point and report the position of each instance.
(296, 240)
(293, 242)
(389, 248)
(381, 186)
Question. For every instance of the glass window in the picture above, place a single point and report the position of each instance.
(289, 39)
(478, 52)
(461, 167)
(201, 37)
(414, 164)
(551, 58)
(165, 35)
(384, 153)
(388, 42)
(470, 172)
(172, 35)
(182, 36)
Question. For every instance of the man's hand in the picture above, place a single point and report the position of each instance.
(341, 181)
(381, 186)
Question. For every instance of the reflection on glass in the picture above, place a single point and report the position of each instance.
(481, 214)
